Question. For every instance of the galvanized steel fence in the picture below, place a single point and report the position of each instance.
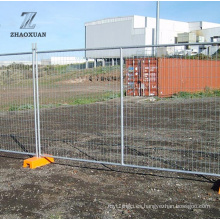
(154, 107)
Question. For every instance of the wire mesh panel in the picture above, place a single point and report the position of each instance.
(175, 124)
(80, 105)
(150, 107)
(17, 133)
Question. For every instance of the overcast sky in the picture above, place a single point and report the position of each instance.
(64, 21)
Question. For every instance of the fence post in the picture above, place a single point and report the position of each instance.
(122, 107)
(38, 105)
(34, 95)
(149, 77)
(38, 160)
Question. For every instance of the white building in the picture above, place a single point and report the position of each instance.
(140, 30)
(11, 62)
(65, 60)
(51, 61)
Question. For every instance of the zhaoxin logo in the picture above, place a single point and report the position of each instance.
(27, 24)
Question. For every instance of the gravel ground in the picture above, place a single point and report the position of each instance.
(176, 134)
(82, 190)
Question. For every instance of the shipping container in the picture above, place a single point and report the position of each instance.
(164, 77)
(141, 77)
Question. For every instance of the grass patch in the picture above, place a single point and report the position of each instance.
(63, 73)
(89, 100)
(83, 101)
(50, 105)
(55, 216)
(20, 107)
(51, 74)
(70, 101)
(201, 94)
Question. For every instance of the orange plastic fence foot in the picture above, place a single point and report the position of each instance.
(35, 162)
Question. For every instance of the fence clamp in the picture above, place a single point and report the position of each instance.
(35, 162)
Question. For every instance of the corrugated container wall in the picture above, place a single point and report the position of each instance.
(169, 76)
(188, 75)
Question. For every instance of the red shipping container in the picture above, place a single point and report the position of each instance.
(187, 75)
(138, 72)
(170, 75)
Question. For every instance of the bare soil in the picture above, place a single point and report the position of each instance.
(72, 190)
(179, 134)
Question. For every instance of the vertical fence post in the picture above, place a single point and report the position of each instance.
(149, 78)
(122, 107)
(34, 95)
(38, 105)
(38, 160)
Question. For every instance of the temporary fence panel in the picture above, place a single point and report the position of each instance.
(17, 123)
(80, 106)
(180, 132)
(119, 106)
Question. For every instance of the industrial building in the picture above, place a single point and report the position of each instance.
(147, 75)
(140, 30)
(64, 60)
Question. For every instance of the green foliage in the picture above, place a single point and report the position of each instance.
(89, 100)
(50, 105)
(216, 55)
(110, 95)
(83, 101)
(18, 66)
(55, 216)
(71, 101)
(196, 57)
(201, 94)
(21, 107)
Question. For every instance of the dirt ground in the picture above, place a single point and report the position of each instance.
(172, 134)
(73, 190)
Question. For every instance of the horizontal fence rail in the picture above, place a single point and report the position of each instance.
(133, 47)
(154, 107)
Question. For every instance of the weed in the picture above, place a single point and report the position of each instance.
(89, 100)
(206, 93)
(55, 216)
(21, 107)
